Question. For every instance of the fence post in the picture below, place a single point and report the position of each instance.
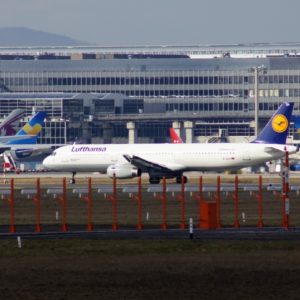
(114, 202)
(218, 203)
(139, 202)
(89, 203)
(236, 203)
(200, 198)
(63, 200)
(260, 223)
(37, 201)
(12, 207)
(285, 192)
(164, 205)
(182, 224)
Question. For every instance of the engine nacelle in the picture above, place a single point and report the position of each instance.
(124, 171)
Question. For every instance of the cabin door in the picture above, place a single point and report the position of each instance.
(245, 154)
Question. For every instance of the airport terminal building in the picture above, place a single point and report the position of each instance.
(135, 94)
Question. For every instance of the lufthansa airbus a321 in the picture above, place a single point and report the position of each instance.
(171, 160)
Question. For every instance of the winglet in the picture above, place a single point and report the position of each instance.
(276, 130)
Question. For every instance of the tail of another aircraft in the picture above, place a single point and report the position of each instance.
(276, 130)
(7, 125)
(32, 128)
(175, 138)
(9, 163)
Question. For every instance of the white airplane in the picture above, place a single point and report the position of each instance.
(171, 160)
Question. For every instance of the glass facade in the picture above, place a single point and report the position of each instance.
(214, 91)
(198, 90)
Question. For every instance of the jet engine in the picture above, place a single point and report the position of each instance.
(123, 171)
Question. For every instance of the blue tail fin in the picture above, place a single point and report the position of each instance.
(276, 130)
(32, 128)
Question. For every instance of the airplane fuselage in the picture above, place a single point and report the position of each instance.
(177, 157)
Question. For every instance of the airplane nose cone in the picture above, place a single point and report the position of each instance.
(47, 162)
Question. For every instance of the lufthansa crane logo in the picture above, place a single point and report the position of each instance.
(280, 123)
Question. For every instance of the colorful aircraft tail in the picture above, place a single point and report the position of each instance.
(9, 163)
(175, 138)
(276, 130)
(7, 125)
(32, 128)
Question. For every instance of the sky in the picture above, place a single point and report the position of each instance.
(158, 22)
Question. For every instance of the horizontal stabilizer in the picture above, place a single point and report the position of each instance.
(273, 151)
(16, 138)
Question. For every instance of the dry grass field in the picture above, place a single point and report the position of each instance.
(94, 269)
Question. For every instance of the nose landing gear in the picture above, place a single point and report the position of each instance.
(72, 180)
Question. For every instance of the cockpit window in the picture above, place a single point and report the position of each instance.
(53, 153)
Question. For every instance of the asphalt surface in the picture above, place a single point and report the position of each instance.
(274, 233)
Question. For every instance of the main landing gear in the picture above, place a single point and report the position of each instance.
(156, 180)
(178, 179)
(72, 180)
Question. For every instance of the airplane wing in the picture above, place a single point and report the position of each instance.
(4, 148)
(142, 163)
(15, 138)
(25, 151)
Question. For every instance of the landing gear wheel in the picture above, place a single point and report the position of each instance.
(178, 179)
(154, 180)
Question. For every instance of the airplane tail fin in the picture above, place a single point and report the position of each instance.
(175, 138)
(32, 128)
(7, 125)
(276, 130)
(9, 164)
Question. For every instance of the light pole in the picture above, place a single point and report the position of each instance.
(256, 71)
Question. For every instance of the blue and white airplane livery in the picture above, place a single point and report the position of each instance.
(171, 160)
(29, 132)
(23, 143)
(26, 135)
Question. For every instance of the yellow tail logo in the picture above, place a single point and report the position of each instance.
(280, 123)
(32, 130)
